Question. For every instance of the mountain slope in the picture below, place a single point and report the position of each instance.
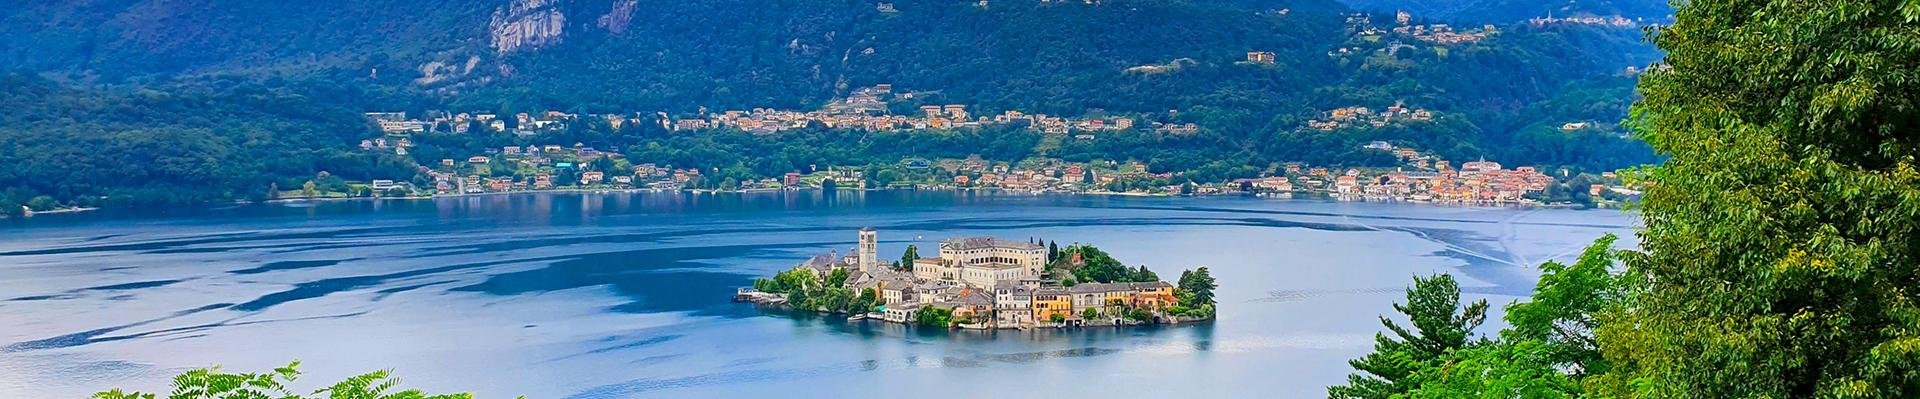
(1177, 61)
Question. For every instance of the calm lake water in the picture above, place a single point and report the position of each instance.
(627, 295)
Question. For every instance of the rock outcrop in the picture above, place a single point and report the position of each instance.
(526, 25)
(619, 17)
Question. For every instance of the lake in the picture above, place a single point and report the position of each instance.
(587, 295)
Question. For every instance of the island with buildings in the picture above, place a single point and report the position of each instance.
(986, 283)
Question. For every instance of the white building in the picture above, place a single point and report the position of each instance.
(983, 262)
(989, 250)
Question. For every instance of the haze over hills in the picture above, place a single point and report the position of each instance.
(1502, 94)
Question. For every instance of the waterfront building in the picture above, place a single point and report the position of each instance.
(1048, 302)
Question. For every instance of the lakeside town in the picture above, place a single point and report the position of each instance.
(986, 283)
(1418, 176)
(1422, 178)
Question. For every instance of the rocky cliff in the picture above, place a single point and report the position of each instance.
(526, 25)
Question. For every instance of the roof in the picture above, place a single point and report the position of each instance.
(993, 265)
(969, 243)
(821, 262)
(1089, 288)
(976, 298)
(1014, 286)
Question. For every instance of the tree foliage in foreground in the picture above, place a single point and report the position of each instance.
(1544, 353)
(1781, 237)
(1440, 326)
(211, 383)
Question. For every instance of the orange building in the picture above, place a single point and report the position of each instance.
(1051, 301)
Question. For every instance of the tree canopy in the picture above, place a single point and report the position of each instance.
(1779, 241)
(1781, 236)
(211, 383)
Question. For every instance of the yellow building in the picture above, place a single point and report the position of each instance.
(1051, 301)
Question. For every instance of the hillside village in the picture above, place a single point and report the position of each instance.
(1420, 176)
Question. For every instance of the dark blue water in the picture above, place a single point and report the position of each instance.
(626, 295)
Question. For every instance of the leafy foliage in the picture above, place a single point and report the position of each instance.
(1780, 236)
(1440, 327)
(932, 316)
(1196, 287)
(211, 383)
(1776, 255)
(912, 254)
(805, 291)
(1567, 306)
(1497, 370)
(1098, 266)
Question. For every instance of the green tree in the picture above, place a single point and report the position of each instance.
(1500, 370)
(1144, 275)
(912, 254)
(211, 383)
(42, 202)
(1090, 314)
(869, 298)
(1780, 238)
(1198, 285)
(838, 277)
(1567, 306)
(837, 299)
(1549, 346)
(934, 317)
(1098, 266)
(1440, 326)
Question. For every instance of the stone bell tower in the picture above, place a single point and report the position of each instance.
(869, 250)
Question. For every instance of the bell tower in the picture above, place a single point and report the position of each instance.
(869, 250)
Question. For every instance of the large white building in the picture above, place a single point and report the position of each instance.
(989, 250)
(983, 261)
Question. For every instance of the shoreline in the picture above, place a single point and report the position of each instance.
(57, 211)
(1262, 196)
(1281, 196)
(778, 302)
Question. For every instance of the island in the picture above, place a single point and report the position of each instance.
(986, 283)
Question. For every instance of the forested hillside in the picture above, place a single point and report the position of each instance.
(1501, 95)
(198, 142)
